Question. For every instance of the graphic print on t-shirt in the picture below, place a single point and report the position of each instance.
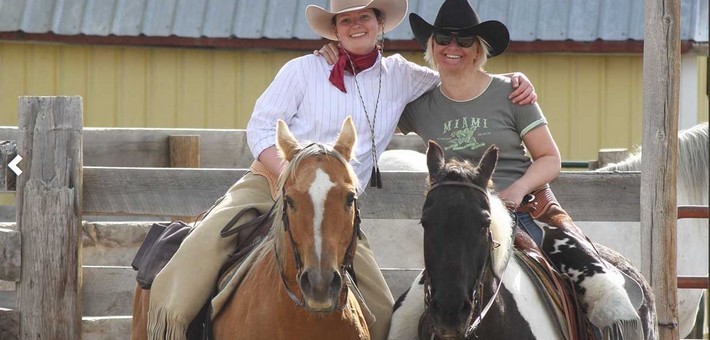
(460, 134)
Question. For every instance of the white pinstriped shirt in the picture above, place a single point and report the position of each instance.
(314, 109)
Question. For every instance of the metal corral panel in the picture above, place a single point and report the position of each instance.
(528, 20)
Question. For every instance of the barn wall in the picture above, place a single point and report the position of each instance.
(591, 101)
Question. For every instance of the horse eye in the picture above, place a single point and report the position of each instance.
(350, 200)
(289, 202)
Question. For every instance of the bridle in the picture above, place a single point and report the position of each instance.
(477, 293)
(344, 267)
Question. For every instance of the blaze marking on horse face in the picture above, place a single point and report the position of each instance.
(319, 192)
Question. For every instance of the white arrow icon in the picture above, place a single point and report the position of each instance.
(13, 165)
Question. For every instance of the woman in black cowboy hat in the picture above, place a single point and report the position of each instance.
(313, 98)
(470, 111)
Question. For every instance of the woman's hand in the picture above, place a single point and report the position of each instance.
(512, 197)
(523, 90)
(329, 51)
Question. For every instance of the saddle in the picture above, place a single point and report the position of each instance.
(559, 289)
(539, 202)
(160, 244)
(163, 240)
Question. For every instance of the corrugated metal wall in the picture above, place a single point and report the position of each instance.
(592, 101)
(528, 20)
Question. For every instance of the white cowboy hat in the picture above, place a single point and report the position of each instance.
(321, 20)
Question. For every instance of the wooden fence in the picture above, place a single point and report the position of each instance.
(66, 269)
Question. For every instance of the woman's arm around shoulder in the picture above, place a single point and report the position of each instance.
(523, 90)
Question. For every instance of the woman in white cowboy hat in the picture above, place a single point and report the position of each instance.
(458, 45)
(313, 98)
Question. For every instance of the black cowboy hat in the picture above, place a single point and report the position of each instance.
(458, 16)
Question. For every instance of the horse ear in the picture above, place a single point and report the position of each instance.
(434, 158)
(488, 162)
(286, 143)
(346, 139)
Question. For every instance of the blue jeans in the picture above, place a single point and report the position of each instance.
(525, 221)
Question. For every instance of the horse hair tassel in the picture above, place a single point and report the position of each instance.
(375, 178)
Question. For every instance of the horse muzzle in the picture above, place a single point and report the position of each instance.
(321, 289)
(449, 333)
(447, 324)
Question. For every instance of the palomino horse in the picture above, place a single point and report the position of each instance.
(692, 189)
(474, 283)
(296, 285)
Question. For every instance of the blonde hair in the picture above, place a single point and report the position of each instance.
(478, 63)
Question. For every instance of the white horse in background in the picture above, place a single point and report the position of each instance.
(692, 189)
(402, 160)
(692, 186)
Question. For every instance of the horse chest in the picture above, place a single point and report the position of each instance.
(266, 312)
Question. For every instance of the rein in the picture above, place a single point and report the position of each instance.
(477, 293)
(346, 264)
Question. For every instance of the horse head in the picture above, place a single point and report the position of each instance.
(460, 240)
(320, 215)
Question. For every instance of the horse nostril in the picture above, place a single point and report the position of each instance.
(466, 306)
(336, 282)
(305, 282)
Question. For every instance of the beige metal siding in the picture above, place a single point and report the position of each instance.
(591, 101)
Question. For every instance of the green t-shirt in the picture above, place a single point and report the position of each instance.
(465, 129)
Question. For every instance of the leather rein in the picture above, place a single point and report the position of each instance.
(477, 293)
(344, 267)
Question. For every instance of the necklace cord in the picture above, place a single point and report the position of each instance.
(375, 178)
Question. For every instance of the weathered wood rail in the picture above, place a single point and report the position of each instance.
(96, 255)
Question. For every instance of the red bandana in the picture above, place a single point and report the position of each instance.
(360, 61)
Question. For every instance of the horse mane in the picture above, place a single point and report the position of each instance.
(501, 221)
(276, 233)
(502, 232)
(693, 162)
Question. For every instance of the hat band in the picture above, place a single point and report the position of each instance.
(348, 9)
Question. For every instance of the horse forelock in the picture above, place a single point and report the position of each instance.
(314, 149)
(458, 170)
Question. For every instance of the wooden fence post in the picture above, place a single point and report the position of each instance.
(184, 151)
(661, 73)
(49, 208)
(9, 324)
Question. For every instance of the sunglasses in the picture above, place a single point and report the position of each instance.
(444, 39)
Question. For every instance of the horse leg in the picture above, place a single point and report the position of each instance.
(407, 311)
(139, 324)
(599, 285)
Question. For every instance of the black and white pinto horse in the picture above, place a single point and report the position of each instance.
(473, 284)
(692, 189)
